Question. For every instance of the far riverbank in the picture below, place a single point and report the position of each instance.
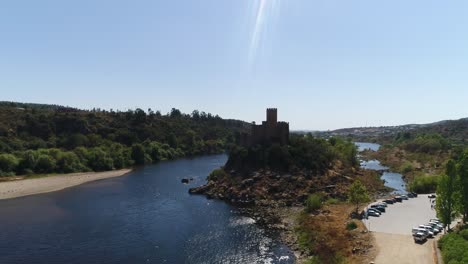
(18, 188)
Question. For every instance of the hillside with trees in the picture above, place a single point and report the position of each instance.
(37, 138)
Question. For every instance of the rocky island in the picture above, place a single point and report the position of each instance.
(275, 178)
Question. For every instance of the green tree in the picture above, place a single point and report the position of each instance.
(138, 154)
(28, 162)
(463, 185)
(8, 162)
(99, 160)
(68, 162)
(446, 195)
(45, 164)
(357, 194)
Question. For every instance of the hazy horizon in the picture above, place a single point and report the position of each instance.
(325, 65)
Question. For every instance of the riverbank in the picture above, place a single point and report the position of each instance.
(24, 187)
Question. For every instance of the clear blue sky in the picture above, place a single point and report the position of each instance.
(325, 64)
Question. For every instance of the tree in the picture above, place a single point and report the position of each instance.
(463, 185)
(99, 160)
(357, 194)
(138, 154)
(446, 195)
(8, 162)
(45, 164)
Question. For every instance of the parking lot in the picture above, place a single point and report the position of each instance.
(392, 232)
(399, 218)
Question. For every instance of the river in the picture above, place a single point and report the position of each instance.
(392, 179)
(146, 216)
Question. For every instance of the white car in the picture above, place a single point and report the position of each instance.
(428, 229)
(419, 237)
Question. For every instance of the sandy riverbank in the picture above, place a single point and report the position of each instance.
(26, 187)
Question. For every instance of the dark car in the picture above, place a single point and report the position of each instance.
(410, 195)
(415, 194)
(398, 199)
(389, 201)
(431, 196)
(378, 207)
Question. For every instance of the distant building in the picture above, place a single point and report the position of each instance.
(269, 132)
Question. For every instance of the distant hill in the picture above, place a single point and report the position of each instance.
(33, 106)
(454, 130)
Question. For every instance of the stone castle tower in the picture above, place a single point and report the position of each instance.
(269, 132)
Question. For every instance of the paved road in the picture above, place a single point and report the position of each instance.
(392, 232)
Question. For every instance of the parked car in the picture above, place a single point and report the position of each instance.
(419, 237)
(415, 194)
(434, 220)
(431, 196)
(373, 213)
(404, 197)
(437, 224)
(435, 227)
(428, 229)
(398, 199)
(382, 204)
(420, 230)
(378, 207)
(411, 195)
(389, 201)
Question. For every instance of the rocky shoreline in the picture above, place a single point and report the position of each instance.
(275, 200)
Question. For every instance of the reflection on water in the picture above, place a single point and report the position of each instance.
(373, 165)
(145, 217)
(366, 145)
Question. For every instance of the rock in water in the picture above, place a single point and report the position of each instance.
(185, 180)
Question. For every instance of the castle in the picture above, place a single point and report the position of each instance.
(269, 132)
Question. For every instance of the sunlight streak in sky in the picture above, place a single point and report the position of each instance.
(264, 12)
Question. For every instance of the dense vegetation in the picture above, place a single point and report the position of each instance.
(37, 138)
(303, 152)
(454, 247)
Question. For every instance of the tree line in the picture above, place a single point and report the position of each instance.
(37, 138)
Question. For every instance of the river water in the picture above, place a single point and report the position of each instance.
(144, 217)
(392, 179)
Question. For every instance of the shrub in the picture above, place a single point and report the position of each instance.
(464, 234)
(454, 248)
(216, 175)
(8, 163)
(45, 164)
(351, 225)
(406, 167)
(332, 201)
(424, 184)
(313, 202)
